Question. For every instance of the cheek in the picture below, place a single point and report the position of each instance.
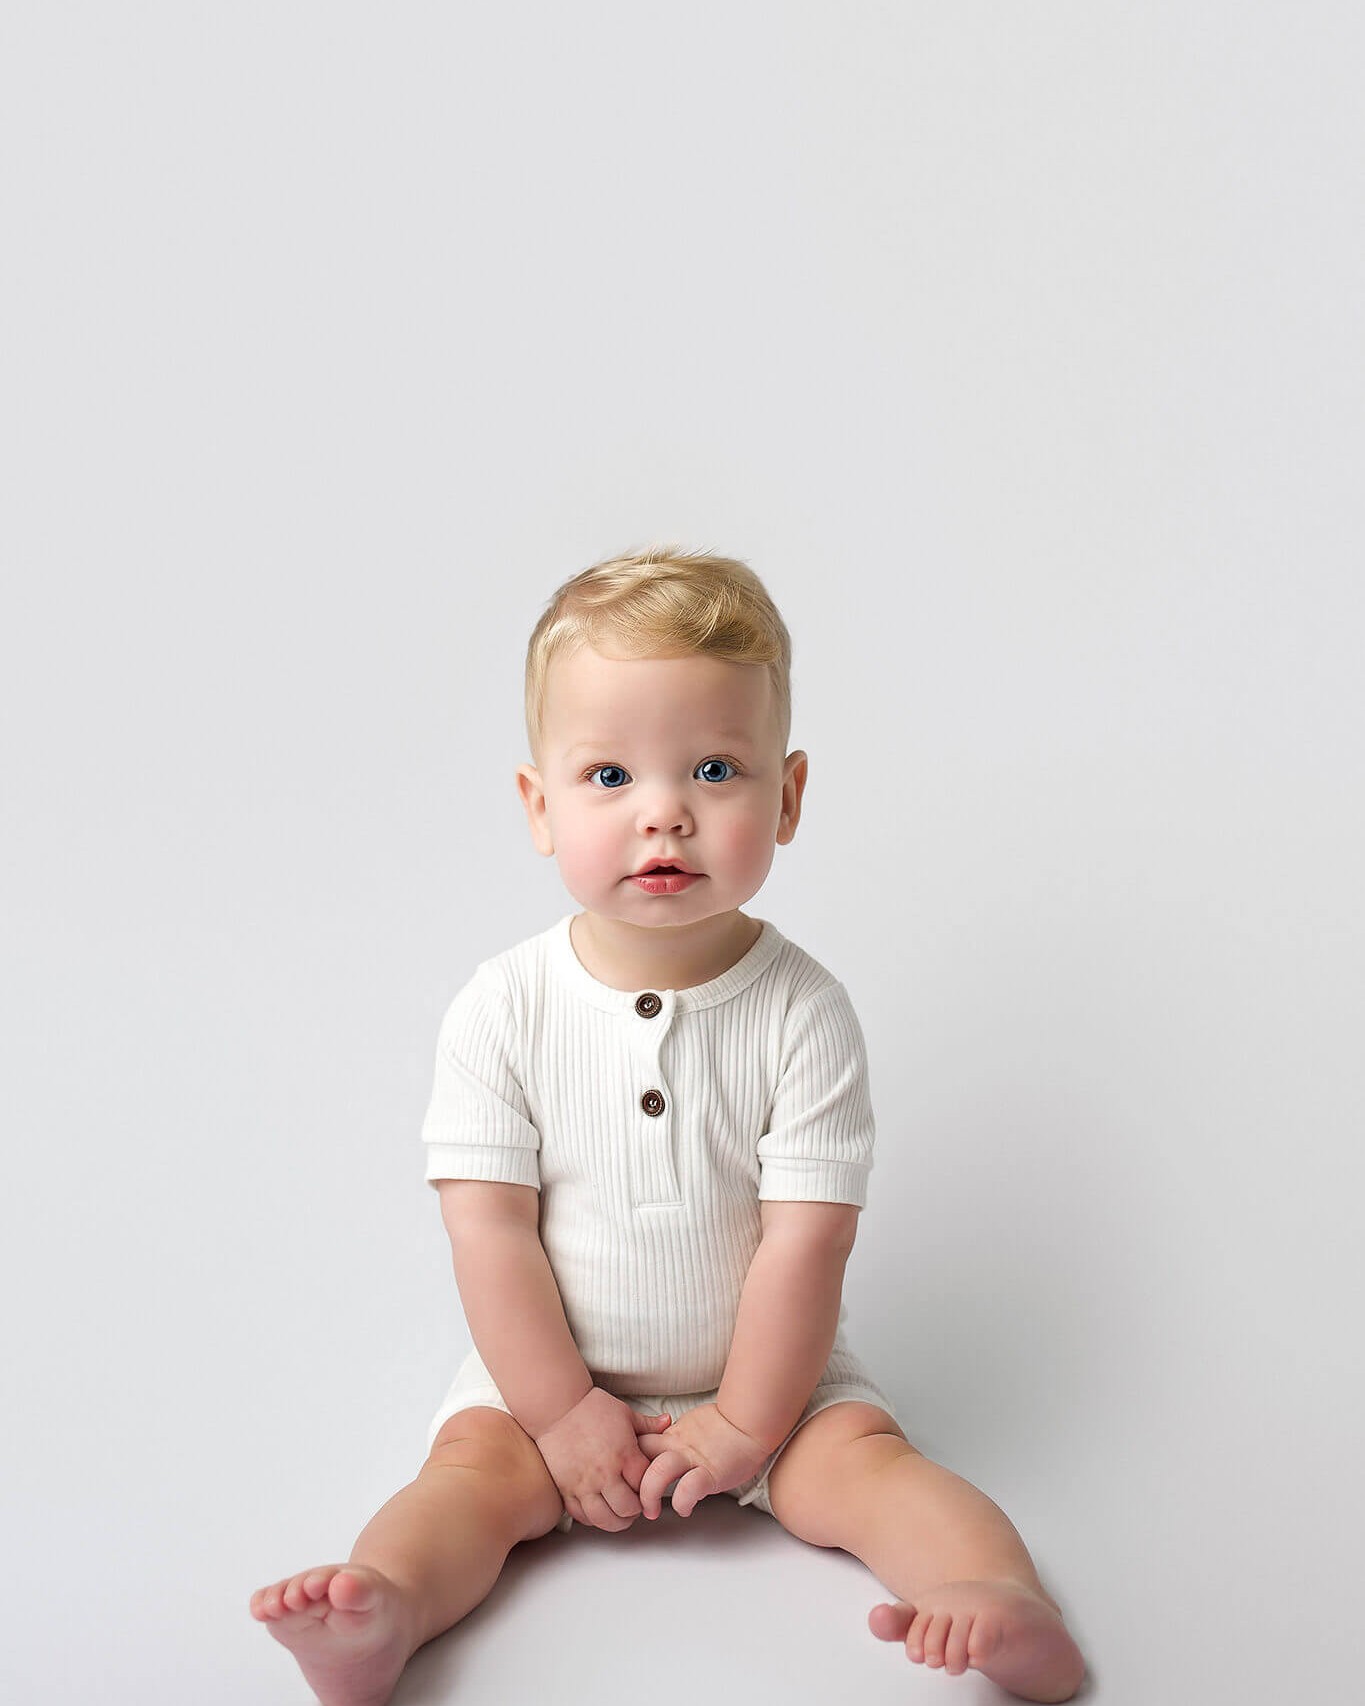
(749, 839)
(587, 844)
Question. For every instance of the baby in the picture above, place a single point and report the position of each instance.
(651, 1135)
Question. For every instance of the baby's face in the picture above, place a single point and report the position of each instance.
(676, 759)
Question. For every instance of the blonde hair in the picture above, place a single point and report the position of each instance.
(661, 602)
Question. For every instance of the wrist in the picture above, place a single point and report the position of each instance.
(758, 1441)
(786, 1327)
(562, 1411)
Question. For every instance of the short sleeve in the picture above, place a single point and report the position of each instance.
(818, 1145)
(478, 1125)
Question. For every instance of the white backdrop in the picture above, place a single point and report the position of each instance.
(1018, 349)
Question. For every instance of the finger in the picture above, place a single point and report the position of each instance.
(600, 1514)
(650, 1493)
(667, 1466)
(575, 1510)
(650, 1424)
(652, 1445)
(655, 1483)
(622, 1499)
(633, 1471)
(696, 1485)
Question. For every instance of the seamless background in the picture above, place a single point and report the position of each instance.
(1018, 348)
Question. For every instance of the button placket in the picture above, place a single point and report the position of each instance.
(654, 1168)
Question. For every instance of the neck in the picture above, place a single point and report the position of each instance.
(635, 956)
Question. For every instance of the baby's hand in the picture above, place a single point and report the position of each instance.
(592, 1454)
(707, 1452)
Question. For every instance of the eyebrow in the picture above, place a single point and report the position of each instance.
(606, 745)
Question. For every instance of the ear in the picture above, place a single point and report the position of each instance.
(793, 787)
(532, 791)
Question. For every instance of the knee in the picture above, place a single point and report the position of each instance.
(856, 1469)
(821, 1487)
(482, 1438)
(492, 1446)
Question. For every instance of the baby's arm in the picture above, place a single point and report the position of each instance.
(516, 1317)
(511, 1300)
(784, 1332)
(788, 1316)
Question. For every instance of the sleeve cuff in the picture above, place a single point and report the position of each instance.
(797, 1180)
(478, 1161)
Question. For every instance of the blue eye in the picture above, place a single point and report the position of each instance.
(613, 776)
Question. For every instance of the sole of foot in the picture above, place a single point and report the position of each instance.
(1004, 1630)
(347, 1626)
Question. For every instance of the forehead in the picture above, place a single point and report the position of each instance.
(590, 694)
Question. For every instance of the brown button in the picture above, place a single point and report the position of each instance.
(648, 1005)
(652, 1102)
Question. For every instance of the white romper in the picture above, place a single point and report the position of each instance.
(653, 1122)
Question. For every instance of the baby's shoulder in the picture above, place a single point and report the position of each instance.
(524, 992)
(802, 977)
(516, 977)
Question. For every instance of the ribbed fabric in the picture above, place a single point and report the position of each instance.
(650, 1221)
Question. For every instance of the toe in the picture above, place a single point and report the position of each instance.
(350, 1591)
(914, 1640)
(891, 1622)
(936, 1638)
(295, 1598)
(955, 1654)
(984, 1639)
(265, 1602)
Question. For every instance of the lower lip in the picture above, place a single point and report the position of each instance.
(667, 882)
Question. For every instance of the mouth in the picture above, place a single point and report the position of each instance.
(665, 878)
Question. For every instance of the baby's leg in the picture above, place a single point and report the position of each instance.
(968, 1596)
(428, 1557)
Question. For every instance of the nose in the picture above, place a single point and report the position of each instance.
(663, 814)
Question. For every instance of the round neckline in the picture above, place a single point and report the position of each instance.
(755, 960)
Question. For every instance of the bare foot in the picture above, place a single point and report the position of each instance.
(348, 1626)
(1006, 1631)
